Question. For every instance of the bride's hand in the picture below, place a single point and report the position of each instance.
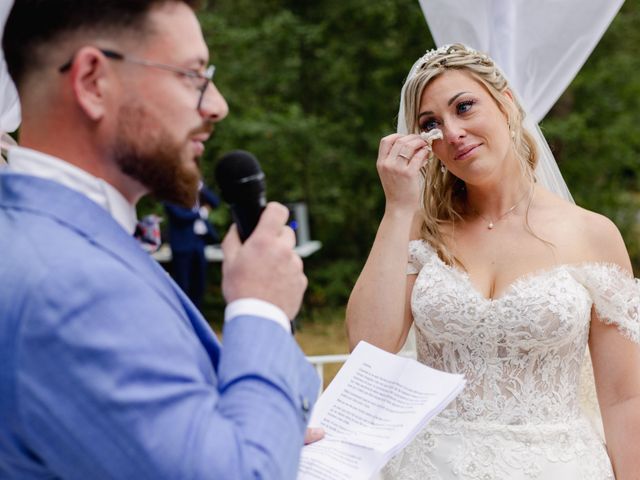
(400, 158)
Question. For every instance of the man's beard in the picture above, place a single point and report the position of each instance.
(146, 152)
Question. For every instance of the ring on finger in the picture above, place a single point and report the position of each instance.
(401, 155)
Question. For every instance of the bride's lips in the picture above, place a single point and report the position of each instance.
(466, 151)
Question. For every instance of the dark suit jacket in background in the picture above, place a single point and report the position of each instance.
(188, 262)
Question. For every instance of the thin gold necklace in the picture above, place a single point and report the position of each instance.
(490, 223)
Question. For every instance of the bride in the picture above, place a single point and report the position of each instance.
(505, 282)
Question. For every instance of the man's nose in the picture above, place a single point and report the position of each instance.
(213, 106)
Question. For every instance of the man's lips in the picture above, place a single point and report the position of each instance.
(198, 147)
(465, 152)
(198, 142)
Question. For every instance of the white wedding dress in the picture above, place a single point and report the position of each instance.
(519, 415)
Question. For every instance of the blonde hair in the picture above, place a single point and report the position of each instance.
(444, 195)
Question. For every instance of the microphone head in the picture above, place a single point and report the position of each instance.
(239, 177)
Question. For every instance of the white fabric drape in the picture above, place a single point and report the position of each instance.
(540, 45)
(9, 105)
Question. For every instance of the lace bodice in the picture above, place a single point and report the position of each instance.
(522, 352)
(520, 416)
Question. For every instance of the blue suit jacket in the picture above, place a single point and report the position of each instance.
(107, 371)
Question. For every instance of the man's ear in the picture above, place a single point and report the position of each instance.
(92, 80)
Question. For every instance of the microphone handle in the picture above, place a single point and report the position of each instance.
(246, 216)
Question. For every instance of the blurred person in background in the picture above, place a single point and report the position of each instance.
(190, 231)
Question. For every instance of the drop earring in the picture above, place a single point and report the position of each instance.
(443, 169)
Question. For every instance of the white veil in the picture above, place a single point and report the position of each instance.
(9, 104)
(539, 53)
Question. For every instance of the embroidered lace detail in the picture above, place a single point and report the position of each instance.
(616, 296)
(478, 451)
(522, 355)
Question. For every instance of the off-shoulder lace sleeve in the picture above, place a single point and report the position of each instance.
(616, 296)
(418, 254)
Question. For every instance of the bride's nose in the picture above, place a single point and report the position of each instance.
(453, 131)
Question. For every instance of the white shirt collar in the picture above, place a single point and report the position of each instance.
(31, 162)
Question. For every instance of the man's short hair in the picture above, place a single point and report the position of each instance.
(33, 24)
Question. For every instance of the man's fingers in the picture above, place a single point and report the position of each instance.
(289, 236)
(273, 218)
(231, 242)
(265, 266)
(313, 435)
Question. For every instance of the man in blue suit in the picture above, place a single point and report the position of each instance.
(107, 370)
(189, 232)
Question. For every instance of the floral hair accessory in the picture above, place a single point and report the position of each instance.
(449, 49)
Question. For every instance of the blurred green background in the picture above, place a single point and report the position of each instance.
(312, 86)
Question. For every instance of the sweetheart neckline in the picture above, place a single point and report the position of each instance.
(525, 277)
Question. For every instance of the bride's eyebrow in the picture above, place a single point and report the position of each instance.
(451, 100)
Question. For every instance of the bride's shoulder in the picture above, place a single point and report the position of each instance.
(603, 238)
(595, 237)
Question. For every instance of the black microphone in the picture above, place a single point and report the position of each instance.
(242, 186)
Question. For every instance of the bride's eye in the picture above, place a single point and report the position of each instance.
(428, 125)
(464, 107)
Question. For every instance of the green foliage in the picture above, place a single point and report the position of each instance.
(313, 85)
(330, 283)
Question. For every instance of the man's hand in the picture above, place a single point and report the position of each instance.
(313, 435)
(265, 266)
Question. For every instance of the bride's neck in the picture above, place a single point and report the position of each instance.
(492, 201)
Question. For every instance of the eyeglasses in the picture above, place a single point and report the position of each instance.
(200, 80)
